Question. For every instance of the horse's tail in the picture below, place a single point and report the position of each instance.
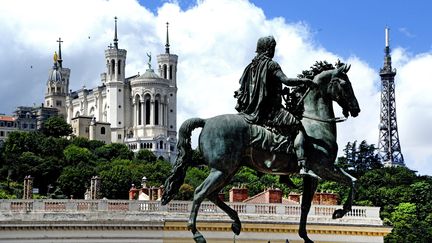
(184, 157)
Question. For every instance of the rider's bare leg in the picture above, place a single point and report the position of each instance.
(299, 143)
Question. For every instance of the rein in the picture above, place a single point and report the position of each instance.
(336, 119)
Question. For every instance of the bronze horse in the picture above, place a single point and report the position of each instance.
(225, 145)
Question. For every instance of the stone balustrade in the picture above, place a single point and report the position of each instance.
(317, 214)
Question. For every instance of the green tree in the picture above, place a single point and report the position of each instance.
(75, 155)
(146, 155)
(75, 179)
(112, 151)
(56, 127)
(117, 178)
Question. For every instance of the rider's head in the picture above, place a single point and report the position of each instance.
(266, 45)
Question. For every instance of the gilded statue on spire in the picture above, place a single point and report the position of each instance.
(55, 57)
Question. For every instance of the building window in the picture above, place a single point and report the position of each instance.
(102, 130)
(24, 125)
(119, 90)
(119, 122)
(1, 124)
(1, 134)
(156, 112)
(171, 126)
(58, 103)
(171, 110)
(32, 126)
(165, 71)
(161, 144)
(139, 112)
(170, 72)
(112, 66)
(119, 136)
(86, 130)
(119, 106)
(147, 104)
(171, 95)
(119, 69)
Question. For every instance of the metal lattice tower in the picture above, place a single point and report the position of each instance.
(389, 149)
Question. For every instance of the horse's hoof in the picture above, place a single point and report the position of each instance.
(236, 227)
(199, 238)
(339, 213)
(306, 238)
(190, 226)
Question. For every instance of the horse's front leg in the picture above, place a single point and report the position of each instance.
(339, 213)
(309, 187)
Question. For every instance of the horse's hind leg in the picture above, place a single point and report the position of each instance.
(210, 185)
(309, 186)
(236, 225)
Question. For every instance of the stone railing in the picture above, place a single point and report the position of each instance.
(179, 209)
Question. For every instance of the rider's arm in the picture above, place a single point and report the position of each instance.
(289, 81)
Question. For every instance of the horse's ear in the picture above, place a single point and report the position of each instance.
(347, 67)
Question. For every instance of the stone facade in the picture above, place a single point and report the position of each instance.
(7, 124)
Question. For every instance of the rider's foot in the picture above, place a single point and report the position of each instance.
(304, 172)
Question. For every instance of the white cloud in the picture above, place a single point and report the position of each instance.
(215, 40)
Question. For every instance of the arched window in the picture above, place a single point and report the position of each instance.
(170, 72)
(156, 112)
(77, 114)
(165, 71)
(161, 144)
(102, 130)
(112, 66)
(119, 67)
(147, 111)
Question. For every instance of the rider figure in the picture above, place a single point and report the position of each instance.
(259, 98)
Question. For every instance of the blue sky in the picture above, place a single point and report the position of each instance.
(215, 40)
(350, 27)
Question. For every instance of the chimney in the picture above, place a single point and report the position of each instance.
(274, 195)
(133, 193)
(325, 198)
(221, 196)
(238, 194)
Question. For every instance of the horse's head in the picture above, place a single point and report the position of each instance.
(336, 84)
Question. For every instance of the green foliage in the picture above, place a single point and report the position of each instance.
(75, 155)
(56, 127)
(114, 151)
(146, 155)
(74, 180)
(185, 193)
(359, 158)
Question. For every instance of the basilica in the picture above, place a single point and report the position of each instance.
(139, 111)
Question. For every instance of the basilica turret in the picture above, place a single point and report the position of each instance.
(168, 70)
(115, 88)
(56, 88)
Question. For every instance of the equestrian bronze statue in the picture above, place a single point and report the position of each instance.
(271, 143)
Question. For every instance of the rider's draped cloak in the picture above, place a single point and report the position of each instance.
(258, 94)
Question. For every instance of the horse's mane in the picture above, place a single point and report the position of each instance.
(319, 67)
(292, 101)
